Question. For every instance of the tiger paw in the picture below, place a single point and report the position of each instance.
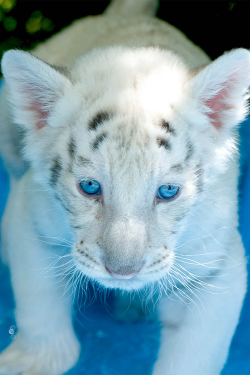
(40, 357)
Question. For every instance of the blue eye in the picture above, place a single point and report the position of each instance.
(90, 187)
(167, 191)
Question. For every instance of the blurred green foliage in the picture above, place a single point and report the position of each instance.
(9, 23)
(23, 24)
(216, 26)
(37, 22)
(20, 27)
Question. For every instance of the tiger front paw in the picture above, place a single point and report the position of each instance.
(40, 357)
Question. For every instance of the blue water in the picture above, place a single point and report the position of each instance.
(111, 347)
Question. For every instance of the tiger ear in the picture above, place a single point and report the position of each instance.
(221, 87)
(34, 88)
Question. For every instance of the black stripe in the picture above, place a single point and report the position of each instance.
(55, 171)
(99, 140)
(199, 174)
(82, 160)
(177, 167)
(190, 151)
(72, 147)
(163, 143)
(165, 125)
(98, 119)
(78, 226)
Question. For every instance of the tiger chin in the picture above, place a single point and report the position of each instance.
(123, 161)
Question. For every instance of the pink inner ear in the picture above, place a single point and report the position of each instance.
(221, 102)
(218, 105)
(40, 115)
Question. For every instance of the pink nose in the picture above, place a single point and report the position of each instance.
(126, 276)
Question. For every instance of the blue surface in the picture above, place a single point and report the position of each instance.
(111, 347)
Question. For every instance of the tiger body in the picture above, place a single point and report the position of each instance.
(134, 107)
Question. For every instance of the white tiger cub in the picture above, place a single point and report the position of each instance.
(130, 154)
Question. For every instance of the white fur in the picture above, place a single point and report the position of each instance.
(189, 249)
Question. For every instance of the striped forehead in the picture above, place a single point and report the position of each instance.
(116, 148)
(107, 131)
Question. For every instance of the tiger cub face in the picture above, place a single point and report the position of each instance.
(129, 142)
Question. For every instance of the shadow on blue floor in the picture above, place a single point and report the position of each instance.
(116, 348)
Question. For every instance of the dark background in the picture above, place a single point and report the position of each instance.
(216, 26)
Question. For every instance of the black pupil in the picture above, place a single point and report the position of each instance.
(90, 183)
(169, 187)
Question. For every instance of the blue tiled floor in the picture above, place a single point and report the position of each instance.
(115, 348)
